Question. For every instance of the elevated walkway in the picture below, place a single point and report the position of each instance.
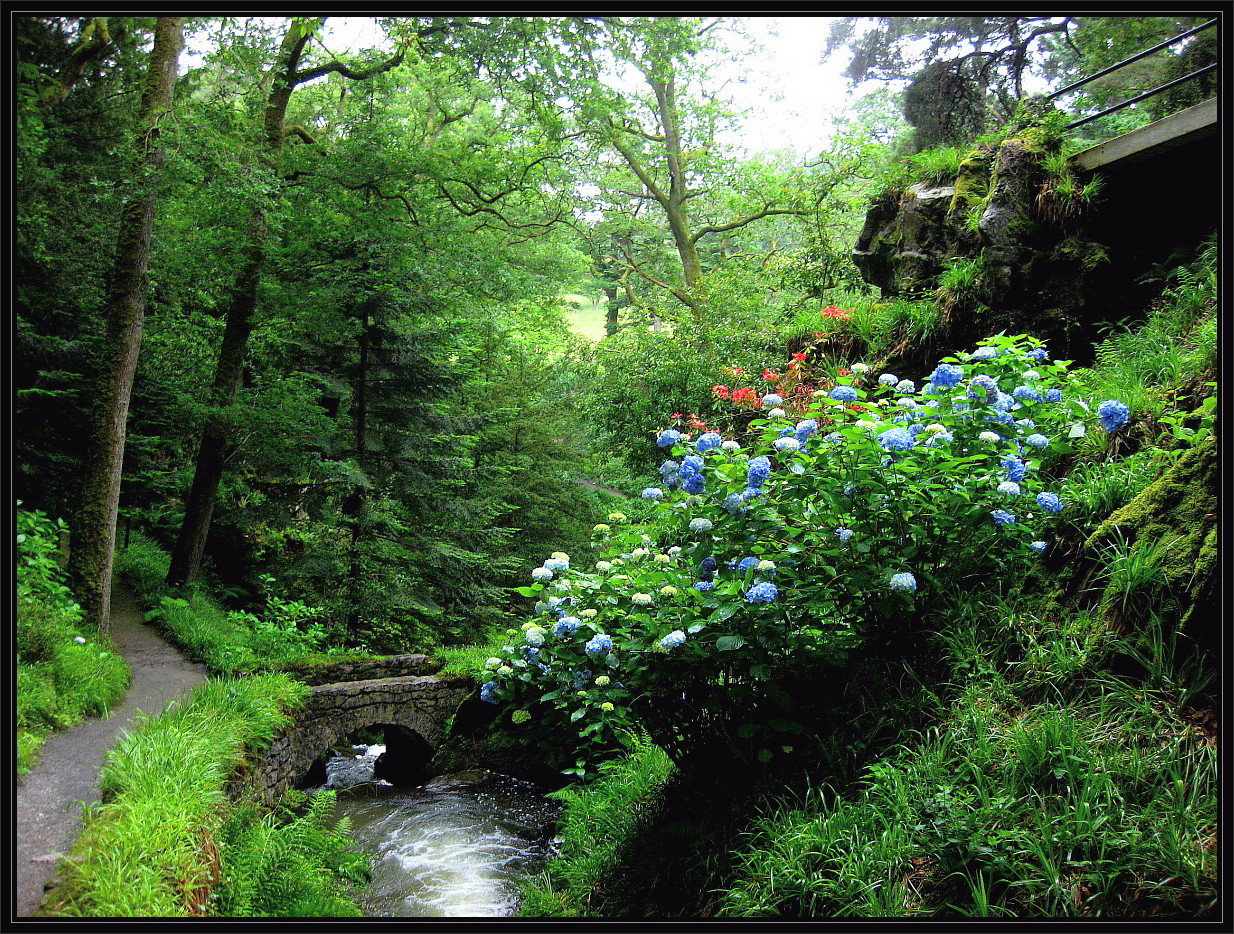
(1193, 125)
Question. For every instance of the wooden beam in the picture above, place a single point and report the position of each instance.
(1165, 133)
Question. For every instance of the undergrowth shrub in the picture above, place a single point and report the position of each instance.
(66, 670)
(288, 864)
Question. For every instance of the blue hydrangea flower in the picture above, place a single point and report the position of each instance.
(984, 353)
(534, 636)
(1009, 488)
(1015, 468)
(488, 692)
(986, 384)
(1037, 354)
(843, 394)
(1054, 395)
(669, 469)
(694, 484)
(888, 379)
(1113, 415)
(1049, 502)
(734, 504)
(1038, 547)
(582, 678)
(673, 639)
(653, 493)
(833, 438)
(747, 563)
(844, 535)
(1037, 441)
(598, 644)
(1003, 402)
(541, 574)
(557, 564)
(1025, 394)
(771, 399)
(668, 437)
(1002, 517)
(758, 471)
(937, 438)
(945, 376)
(896, 439)
(906, 385)
(691, 463)
(704, 585)
(805, 429)
(707, 565)
(903, 581)
(762, 593)
(707, 441)
(564, 626)
(700, 525)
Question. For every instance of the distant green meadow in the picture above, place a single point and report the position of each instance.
(585, 316)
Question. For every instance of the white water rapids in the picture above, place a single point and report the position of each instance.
(454, 847)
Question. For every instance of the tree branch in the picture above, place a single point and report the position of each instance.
(308, 74)
(742, 221)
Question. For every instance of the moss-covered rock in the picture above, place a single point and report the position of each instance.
(1179, 508)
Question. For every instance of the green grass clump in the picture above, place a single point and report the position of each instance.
(1050, 788)
(143, 564)
(149, 848)
(66, 670)
(596, 825)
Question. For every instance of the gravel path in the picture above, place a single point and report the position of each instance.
(50, 796)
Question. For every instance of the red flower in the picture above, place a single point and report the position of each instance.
(844, 372)
(675, 416)
(720, 392)
(770, 376)
(734, 370)
(831, 311)
(743, 396)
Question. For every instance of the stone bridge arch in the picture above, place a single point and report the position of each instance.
(414, 710)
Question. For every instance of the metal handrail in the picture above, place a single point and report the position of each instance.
(1135, 100)
(1135, 58)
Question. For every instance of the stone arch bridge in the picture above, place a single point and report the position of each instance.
(403, 695)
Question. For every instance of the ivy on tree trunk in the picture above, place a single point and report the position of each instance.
(94, 533)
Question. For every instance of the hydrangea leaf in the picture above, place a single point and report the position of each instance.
(729, 643)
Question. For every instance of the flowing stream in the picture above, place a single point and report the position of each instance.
(453, 847)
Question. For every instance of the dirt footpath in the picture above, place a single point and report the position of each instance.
(50, 796)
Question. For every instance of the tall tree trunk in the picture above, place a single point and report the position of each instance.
(190, 544)
(92, 554)
(211, 454)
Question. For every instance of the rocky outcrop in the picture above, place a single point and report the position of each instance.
(906, 241)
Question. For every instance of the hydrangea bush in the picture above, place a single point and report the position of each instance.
(772, 559)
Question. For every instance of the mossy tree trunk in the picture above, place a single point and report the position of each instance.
(92, 553)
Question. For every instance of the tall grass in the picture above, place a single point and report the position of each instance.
(597, 824)
(149, 848)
